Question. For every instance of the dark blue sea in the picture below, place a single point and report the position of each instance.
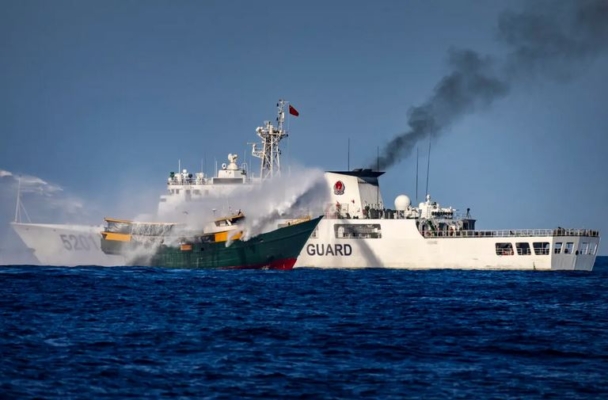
(83, 333)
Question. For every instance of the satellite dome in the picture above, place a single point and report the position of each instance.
(402, 202)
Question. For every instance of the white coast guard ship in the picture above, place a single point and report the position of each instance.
(71, 244)
(60, 244)
(358, 231)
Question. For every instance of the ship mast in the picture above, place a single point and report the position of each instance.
(18, 206)
(271, 136)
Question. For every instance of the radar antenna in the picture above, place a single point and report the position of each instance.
(271, 136)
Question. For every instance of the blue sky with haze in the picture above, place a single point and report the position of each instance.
(101, 99)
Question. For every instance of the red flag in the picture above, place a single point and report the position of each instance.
(293, 111)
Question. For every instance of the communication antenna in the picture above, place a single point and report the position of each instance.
(428, 166)
(348, 156)
(416, 174)
(378, 169)
(271, 136)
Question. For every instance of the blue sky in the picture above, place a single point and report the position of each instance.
(103, 98)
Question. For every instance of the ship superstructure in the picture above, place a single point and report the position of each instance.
(358, 230)
(184, 187)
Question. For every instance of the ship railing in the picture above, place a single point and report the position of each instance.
(186, 181)
(339, 210)
(205, 181)
(514, 233)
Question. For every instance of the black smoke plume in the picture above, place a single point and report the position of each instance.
(548, 40)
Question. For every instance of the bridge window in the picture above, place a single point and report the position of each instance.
(583, 248)
(558, 248)
(592, 248)
(523, 248)
(541, 248)
(504, 249)
(358, 231)
(569, 247)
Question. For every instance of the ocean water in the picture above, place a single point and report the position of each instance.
(144, 333)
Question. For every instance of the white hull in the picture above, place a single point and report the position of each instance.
(400, 246)
(65, 245)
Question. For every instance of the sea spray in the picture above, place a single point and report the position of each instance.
(301, 193)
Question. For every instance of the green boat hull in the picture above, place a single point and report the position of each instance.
(277, 249)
